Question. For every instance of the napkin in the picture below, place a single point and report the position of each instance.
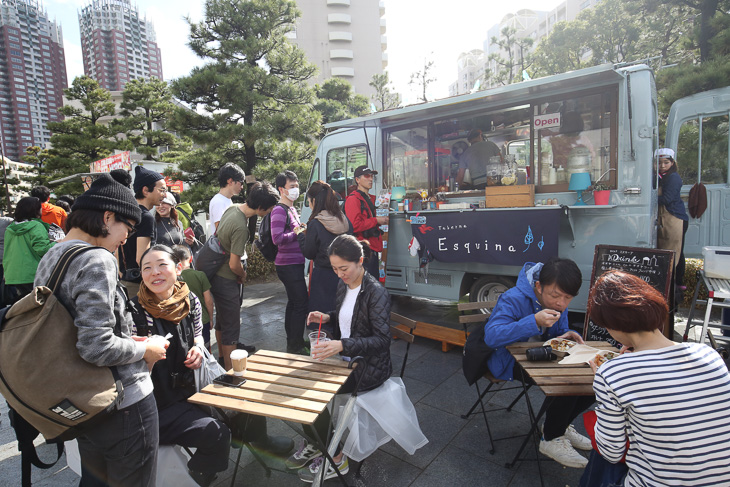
(579, 354)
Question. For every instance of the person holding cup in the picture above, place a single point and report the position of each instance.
(360, 324)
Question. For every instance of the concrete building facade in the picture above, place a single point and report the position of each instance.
(32, 75)
(344, 39)
(117, 44)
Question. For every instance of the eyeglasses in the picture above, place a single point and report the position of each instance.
(130, 228)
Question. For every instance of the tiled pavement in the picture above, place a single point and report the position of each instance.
(458, 449)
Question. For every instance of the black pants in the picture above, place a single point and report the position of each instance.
(297, 306)
(123, 449)
(562, 410)
(373, 265)
(185, 424)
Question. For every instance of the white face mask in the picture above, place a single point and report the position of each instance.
(293, 194)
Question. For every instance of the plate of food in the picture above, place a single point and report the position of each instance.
(604, 356)
(560, 346)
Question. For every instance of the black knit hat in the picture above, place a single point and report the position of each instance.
(105, 194)
(144, 178)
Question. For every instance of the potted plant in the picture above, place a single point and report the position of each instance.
(601, 194)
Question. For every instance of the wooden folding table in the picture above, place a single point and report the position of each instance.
(293, 388)
(554, 380)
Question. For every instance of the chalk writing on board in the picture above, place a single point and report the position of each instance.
(652, 265)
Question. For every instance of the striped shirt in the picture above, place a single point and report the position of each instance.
(284, 237)
(672, 405)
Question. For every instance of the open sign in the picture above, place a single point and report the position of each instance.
(546, 121)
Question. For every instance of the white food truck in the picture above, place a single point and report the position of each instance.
(550, 133)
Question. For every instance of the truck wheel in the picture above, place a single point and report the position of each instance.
(489, 288)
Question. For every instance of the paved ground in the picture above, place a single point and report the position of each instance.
(457, 453)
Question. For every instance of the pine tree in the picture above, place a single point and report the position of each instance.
(145, 109)
(251, 95)
(84, 136)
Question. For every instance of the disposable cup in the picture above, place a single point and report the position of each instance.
(239, 360)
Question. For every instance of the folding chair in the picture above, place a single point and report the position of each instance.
(406, 336)
(480, 318)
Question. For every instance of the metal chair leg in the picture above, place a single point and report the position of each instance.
(479, 399)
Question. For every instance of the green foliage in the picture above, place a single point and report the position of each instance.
(38, 157)
(82, 137)
(690, 280)
(336, 101)
(146, 107)
(258, 266)
(562, 50)
(383, 96)
(253, 88)
(518, 58)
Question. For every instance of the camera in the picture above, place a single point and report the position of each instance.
(540, 354)
(182, 380)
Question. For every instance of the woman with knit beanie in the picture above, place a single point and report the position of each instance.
(121, 449)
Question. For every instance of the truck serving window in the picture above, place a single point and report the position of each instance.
(407, 159)
(341, 165)
(575, 135)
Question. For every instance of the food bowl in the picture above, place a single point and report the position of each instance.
(561, 346)
(604, 356)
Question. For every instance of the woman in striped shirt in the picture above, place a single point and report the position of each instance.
(669, 400)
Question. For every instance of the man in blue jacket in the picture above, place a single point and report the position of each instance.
(537, 310)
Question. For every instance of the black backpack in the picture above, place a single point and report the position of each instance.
(265, 243)
(196, 226)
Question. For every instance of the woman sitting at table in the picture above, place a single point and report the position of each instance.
(165, 305)
(669, 400)
(361, 327)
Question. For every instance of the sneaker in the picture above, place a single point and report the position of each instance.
(249, 348)
(308, 473)
(577, 440)
(560, 450)
(302, 456)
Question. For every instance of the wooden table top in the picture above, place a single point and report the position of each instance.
(280, 385)
(555, 379)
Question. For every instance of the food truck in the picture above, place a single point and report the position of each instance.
(557, 138)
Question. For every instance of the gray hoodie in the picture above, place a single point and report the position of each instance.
(90, 295)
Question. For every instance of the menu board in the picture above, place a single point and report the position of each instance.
(654, 266)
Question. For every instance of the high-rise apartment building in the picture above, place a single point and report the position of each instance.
(344, 39)
(32, 75)
(117, 44)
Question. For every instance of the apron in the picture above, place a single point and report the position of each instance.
(669, 232)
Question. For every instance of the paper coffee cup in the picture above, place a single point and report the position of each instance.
(239, 359)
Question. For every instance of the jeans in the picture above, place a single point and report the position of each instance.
(297, 306)
(122, 450)
(601, 473)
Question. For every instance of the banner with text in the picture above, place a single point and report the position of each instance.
(506, 237)
(117, 161)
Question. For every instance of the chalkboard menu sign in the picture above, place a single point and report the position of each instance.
(654, 266)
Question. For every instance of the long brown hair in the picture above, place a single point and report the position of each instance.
(324, 198)
(173, 216)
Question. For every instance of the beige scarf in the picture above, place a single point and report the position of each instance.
(173, 309)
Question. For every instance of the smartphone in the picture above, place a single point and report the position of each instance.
(229, 380)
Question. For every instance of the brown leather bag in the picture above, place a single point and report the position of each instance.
(42, 375)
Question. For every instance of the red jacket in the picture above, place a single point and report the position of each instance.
(362, 220)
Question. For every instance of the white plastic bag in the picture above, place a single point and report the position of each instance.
(208, 370)
(380, 415)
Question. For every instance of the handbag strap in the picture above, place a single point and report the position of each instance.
(59, 271)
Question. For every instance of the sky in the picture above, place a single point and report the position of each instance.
(417, 30)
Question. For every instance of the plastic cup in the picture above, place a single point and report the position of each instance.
(158, 340)
(313, 341)
(239, 360)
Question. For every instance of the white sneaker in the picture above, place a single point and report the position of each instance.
(577, 440)
(560, 450)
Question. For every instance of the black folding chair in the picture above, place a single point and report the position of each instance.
(465, 318)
